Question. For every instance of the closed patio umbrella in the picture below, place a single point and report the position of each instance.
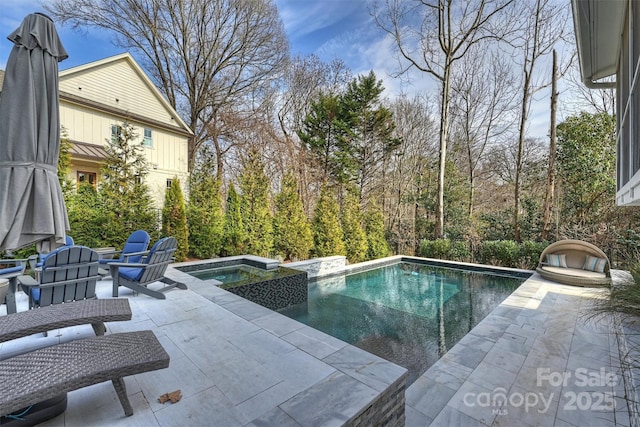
(31, 205)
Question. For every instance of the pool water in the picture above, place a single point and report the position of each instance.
(235, 274)
(407, 313)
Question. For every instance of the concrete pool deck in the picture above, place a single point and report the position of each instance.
(238, 363)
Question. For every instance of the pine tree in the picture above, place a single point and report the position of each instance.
(174, 219)
(234, 233)
(374, 227)
(254, 203)
(355, 239)
(205, 216)
(125, 196)
(327, 231)
(293, 238)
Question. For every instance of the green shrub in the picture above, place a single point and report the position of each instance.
(445, 249)
(530, 253)
(505, 253)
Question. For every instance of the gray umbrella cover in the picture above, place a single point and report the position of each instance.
(31, 204)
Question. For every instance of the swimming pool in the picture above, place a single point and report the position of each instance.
(407, 313)
(235, 274)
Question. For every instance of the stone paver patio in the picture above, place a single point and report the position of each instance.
(534, 361)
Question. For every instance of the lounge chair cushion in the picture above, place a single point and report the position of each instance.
(592, 263)
(576, 272)
(9, 270)
(131, 273)
(557, 260)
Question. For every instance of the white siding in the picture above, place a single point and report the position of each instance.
(118, 85)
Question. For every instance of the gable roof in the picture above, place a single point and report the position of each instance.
(118, 85)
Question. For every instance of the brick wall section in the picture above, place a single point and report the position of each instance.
(387, 410)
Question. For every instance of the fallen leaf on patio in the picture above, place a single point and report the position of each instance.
(173, 396)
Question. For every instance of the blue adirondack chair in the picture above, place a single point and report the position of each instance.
(68, 274)
(36, 261)
(133, 251)
(138, 276)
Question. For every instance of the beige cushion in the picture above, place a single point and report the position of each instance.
(577, 272)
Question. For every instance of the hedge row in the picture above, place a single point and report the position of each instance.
(506, 253)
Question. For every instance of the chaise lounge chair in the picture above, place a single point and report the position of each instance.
(575, 262)
(138, 276)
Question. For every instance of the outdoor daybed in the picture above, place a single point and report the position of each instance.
(574, 262)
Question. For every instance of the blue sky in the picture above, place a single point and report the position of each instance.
(329, 28)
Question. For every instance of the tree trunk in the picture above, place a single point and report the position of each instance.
(523, 121)
(444, 135)
(551, 174)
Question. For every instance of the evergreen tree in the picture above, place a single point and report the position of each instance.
(254, 206)
(86, 217)
(293, 238)
(355, 239)
(374, 227)
(234, 233)
(323, 131)
(369, 134)
(205, 216)
(174, 219)
(327, 231)
(125, 196)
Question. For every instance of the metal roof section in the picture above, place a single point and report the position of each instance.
(598, 27)
(87, 151)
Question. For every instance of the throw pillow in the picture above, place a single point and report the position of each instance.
(593, 263)
(559, 260)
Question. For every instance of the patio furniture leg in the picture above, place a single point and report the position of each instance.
(121, 390)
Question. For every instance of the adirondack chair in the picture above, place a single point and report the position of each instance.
(36, 261)
(68, 274)
(137, 276)
(133, 251)
(11, 270)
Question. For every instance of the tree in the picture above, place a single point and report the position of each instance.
(204, 216)
(234, 232)
(482, 105)
(586, 169)
(292, 234)
(369, 137)
(254, 206)
(207, 56)
(433, 43)
(551, 168)
(322, 132)
(174, 219)
(545, 26)
(355, 238)
(127, 204)
(86, 217)
(327, 231)
(374, 227)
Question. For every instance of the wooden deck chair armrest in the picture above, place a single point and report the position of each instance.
(34, 283)
(27, 281)
(130, 254)
(127, 264)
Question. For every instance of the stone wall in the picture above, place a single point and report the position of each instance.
(387, 410)
(320, 267)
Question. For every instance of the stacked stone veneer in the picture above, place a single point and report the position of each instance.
(319, 267)
(276, 293)
(387, 410)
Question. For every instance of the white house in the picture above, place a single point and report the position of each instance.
(608, 39)
(96, 98)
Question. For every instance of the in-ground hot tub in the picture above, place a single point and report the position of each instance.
(259, 280)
